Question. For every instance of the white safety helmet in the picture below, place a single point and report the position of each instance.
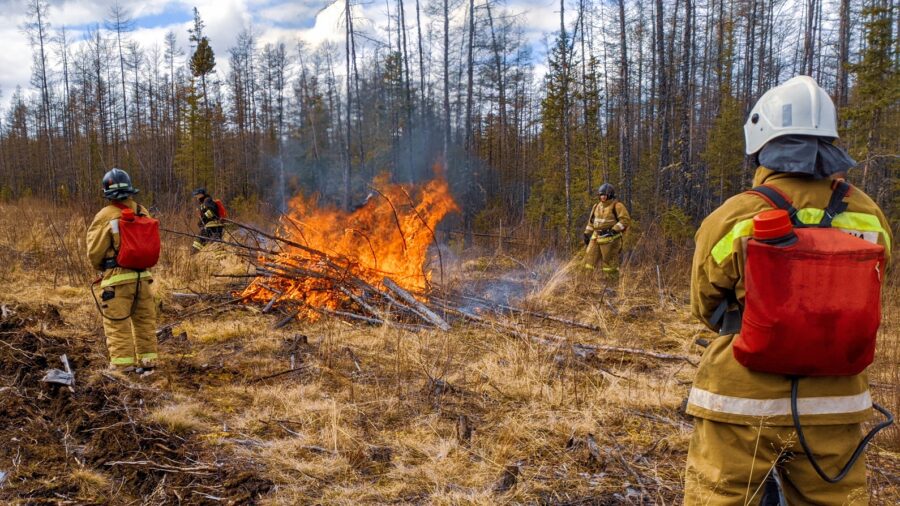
(798, 106)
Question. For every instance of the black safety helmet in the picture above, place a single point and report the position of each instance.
(607, 189)
(117, 185)
(200, 191)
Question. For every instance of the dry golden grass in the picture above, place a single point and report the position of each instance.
(371, 414)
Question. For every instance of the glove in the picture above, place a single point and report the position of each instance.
(587, 238)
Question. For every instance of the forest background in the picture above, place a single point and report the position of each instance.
(649, 95)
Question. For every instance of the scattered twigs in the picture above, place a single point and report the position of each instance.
(437, 246)
(422, 309)
(227, 243)
(494, 306)
(163, 467)
(181, 318)
(581, 350)
(369, 242)
(396, 218)
(321, 255)
(634, 474)
(277, 374)
(374, 321)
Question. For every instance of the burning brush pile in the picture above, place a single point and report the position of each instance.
(363, 264)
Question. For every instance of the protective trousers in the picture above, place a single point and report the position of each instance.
(728, 463)
(607, 253)
(131, 341)
(206, 233)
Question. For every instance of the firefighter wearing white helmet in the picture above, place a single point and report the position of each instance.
(746, 444)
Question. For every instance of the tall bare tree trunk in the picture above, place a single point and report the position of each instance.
(588, 129)
(625, 125)
(809, 39)
(662, 109)
(841, 91)
(471, 180)
(447, 85)
(564, 118)
(349, 164)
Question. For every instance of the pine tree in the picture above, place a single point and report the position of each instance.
(874, 109)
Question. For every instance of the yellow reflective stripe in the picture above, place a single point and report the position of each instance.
(862, 222)
(214, 224)
(589, 266)
(197, 245)
(125, 276)
(148, 356)
(725, 246)
(610, 269)
(829, 405)
(121, 360)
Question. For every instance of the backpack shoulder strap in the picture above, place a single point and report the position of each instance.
(840, 190)
(778, 200)
(137, 208)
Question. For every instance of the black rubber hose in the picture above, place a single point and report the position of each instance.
(860, 448)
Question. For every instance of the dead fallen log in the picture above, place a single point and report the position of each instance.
(288, 319)
(271, 303)
(359, 301)
(179, 295)
(422, 309)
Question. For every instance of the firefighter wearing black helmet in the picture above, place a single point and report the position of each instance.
(210, 223)
(603, 234)
(126, 302)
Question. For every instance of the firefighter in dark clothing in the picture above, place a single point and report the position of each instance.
(211, 226)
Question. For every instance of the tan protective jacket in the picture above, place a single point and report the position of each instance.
(726, 391)
(608, 215)
(103, 242)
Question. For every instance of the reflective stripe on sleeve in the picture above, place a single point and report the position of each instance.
(125, 276)
(854, 223)
(778, 407)
(114, 225)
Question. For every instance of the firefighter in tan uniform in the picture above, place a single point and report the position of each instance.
(126, 300)
(210, 223)
(744, 444)
(603, 233)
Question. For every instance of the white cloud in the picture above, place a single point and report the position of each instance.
(271, 20)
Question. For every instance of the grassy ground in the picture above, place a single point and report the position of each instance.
(338, 413)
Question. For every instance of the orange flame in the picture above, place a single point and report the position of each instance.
(388, 235)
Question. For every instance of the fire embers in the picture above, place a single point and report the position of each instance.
(334, 261)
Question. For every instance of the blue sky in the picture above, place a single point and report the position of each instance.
(310, 21)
